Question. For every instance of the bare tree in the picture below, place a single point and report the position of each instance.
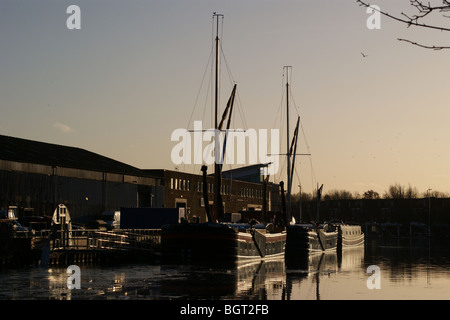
(417, 20)
(396, 191)
(435, 194)
(338, 195)
(370, 194)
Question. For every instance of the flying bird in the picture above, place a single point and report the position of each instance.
(364, 55)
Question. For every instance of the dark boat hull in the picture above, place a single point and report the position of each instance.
(307, 239)
(210, 242)
(303, 241)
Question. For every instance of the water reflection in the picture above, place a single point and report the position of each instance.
(410, 269)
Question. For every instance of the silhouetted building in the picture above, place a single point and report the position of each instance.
(185, 190)
(35, 177)
(41, 175)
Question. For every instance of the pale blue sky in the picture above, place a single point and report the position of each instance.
(131, 75)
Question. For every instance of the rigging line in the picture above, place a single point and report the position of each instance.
(298, 177)
(291, 95)
(308, 150)
(282, 171)
(233, 81)
(295, 105)
(281, 105)
(201, 85)
(239, 101)
(210, 86)
(313, 175)
(198, 95)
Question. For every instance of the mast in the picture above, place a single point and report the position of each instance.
(216, 102)
(217, 167)
(288, 195)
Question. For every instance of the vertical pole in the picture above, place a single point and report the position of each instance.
(216, 102)
(300, 204)
(288, 194)
(429, 211)
(217, 168)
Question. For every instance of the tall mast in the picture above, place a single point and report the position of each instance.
(217, 167)
(216, 102)
(288, 194)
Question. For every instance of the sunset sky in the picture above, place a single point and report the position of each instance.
(133, 74)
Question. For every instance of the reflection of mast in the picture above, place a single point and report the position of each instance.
(318, 277)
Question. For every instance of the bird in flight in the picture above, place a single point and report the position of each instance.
(364, 55)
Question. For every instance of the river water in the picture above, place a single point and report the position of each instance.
(399, 269)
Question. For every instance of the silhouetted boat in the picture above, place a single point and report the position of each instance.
(303, 239)
(219, 242)
(215, 240)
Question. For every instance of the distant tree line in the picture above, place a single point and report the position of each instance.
(394, 191)
(399, 204)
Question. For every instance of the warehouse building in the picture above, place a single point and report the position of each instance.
(185, 190)
(36, 176)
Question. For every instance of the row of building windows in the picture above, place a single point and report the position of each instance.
(185, 185)
(180, 184)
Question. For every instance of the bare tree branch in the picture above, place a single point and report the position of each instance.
(423, 46)
(424, 10)
(410, 21)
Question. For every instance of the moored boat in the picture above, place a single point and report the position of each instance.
(302, 239)
(308, 238)
(348, 235)
(216, 240)
(220, 242)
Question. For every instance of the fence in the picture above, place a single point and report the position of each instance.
(120, 240)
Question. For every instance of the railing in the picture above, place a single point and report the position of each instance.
(106, 240)
(94, 239)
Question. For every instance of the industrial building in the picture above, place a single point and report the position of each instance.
(39, 176)
(36, 176)
(185, 190)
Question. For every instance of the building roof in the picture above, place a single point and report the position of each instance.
(29, 151)
(250, 173)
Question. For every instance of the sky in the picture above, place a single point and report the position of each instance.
(138, 70)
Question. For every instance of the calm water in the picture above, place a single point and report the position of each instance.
(408, 269)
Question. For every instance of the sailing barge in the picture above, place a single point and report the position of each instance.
(219, 242)
(215, 240)
(303, 239)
